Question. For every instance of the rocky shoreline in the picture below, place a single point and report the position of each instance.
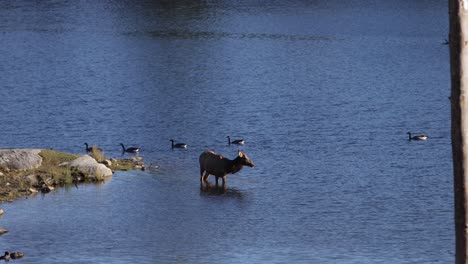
(24, 172)
(27, 171)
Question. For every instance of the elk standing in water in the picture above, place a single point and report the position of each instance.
(219, 166)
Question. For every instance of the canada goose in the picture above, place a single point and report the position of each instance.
(6, 256)
(90, 149)
(129, 150)
(17, 255)
(417, 137)
(237, 141)
(178, 145)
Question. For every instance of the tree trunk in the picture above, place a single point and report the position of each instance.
(458, 39)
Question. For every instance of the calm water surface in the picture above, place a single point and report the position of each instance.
(322, 91)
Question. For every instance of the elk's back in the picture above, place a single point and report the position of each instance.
(212, 163)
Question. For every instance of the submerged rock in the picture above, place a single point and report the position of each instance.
(91, 167)
(20, 159)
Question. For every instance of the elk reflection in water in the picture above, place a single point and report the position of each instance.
(209, 189)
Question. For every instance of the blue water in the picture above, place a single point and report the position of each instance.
(322, 91)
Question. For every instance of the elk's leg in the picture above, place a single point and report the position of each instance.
(217, 180)
(201, 174)
(224, 180)
(205, 178)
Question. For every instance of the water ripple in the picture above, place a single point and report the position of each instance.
(181, 34)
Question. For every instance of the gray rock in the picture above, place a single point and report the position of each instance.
(20, 159)
(64, 164)
(32, 179)
(90, 166)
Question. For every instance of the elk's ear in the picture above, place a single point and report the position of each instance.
(240, 153)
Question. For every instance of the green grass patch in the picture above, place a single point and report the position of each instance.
(50, 172)
(122, 165)
(97, 154)
(55, 158)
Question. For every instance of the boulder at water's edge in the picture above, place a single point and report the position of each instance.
(91, 167)
(20, 159)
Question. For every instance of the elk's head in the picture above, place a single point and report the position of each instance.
(244, 159)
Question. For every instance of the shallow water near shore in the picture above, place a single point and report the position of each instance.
(323, 93)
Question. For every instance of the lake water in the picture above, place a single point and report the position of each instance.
(322, 91)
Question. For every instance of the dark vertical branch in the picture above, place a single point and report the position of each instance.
(459, 129)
